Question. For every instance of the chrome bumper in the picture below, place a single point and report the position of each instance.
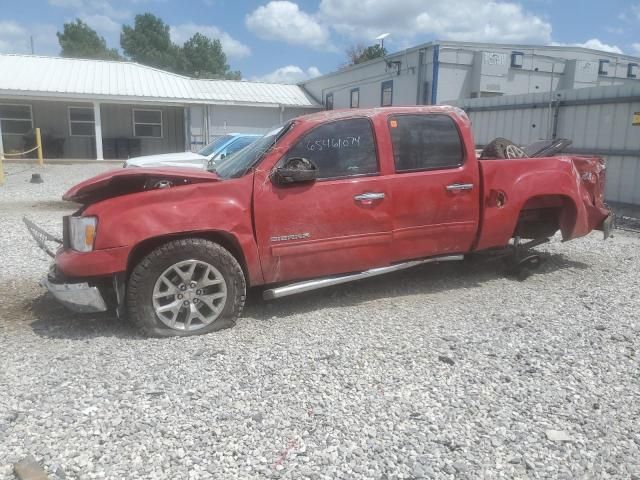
(79, 297)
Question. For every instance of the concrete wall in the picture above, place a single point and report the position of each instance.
(52, 118)
(468, 70)
(598, 120)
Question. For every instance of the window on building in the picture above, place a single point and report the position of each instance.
(81, 122)
(147, 123)
(632, 70)
(517, 59)
(386, 93)
(355, 98)
(345, 148)
(425, 142)
(328, 103)
(15, 119)
(603, 69)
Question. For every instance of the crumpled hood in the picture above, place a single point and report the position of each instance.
(130, 180)
(187, 158)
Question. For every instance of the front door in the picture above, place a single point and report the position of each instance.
(435, 189)
(336, 224)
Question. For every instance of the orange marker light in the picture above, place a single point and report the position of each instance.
(89, 235)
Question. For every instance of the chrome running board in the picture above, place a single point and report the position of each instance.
(309, 285)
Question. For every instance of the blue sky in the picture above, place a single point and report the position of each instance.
(292, 40)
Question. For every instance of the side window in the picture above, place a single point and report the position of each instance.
(425, 142)
(340, 149)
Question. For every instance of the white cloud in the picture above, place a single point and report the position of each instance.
(232, 48)
(283, 20)
(636, 48)
(467, 20)
(113, 9)
(66, 3)
(289, 74)
(592, 43)
(101, 23)
(15, 38)
(615, 30)
(11, 29)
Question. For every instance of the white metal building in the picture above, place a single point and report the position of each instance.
(443, 71)
(106, 109)
(601, 121)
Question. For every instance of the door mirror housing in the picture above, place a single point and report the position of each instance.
(295, 170)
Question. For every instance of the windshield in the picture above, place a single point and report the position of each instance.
(240, 162)
(213, 146)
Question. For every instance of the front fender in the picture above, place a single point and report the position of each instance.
(126, 221)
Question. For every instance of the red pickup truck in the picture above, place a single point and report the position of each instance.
(323, 199)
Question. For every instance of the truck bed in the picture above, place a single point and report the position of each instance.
(513, 187)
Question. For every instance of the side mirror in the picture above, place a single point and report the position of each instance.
(295, 170)
(222, 155)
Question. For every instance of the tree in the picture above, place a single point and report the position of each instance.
(359, 53)
(148, 42)
(78, 40)
(204, 58)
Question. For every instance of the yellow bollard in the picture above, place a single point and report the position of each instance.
(39, 144)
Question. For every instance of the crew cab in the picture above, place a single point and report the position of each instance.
(323, 199)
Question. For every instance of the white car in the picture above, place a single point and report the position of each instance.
(204, 158)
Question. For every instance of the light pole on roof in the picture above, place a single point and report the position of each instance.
(381, 38)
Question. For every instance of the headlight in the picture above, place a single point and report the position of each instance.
(82, 233)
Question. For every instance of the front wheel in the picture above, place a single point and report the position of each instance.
(186, 287)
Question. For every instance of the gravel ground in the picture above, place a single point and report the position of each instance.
(443, 371)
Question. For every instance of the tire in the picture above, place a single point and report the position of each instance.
(186, 287)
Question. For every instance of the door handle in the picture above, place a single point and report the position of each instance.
(454, 187)
(369, 196)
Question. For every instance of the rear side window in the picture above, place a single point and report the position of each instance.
(425, 142)
(344, 148)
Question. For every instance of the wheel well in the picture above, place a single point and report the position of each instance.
(223, 239)
(543, 215)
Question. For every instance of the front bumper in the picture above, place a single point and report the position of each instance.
(79, 297)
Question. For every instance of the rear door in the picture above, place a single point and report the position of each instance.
(338, 223)
(435, 189)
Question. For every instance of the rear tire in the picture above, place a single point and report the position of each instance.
(186, 287)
